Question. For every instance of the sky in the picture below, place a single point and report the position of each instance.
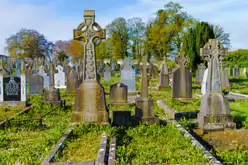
(56, 19)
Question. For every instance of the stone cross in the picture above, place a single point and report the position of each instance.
(181, 59)
(212, 51)
(88, 35)
(144, 92)
(51, 68)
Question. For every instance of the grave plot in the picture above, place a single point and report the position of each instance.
(230, 147)
(29, 143)
(82, 145)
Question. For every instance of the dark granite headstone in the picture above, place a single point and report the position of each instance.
(12, 89)
(121, 118)
(36, 85)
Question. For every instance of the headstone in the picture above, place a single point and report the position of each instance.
(121, 118)
(144, 104)
(59, 78)
(164, 76)
(128, 76)
(204, 82)
(244, 72)
(90, 103)
(201, 69)
(36, 85)
(215, 111)
(236, 71)
(13, 91)
(52, 95)
(107, 73)
(72, 82)
(231, 71)
(118, 94)
(225, 85)
(46, 78)
(182, 80)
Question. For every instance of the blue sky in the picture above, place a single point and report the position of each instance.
(56, 19)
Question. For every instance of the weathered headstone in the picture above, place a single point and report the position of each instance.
(36, 85)
(144, 104)
(225, 85)
(107, 73)
(72, 82)
(231, 71)
(90, 103)
(59, 78)
(215, 112)
(204, 83)
(164, 76)
(46, 78)
(118, 94)
(52, 95)
(182, 80)
(128, 76)
(201, 68)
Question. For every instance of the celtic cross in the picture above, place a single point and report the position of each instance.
(88, 36)
(212, 51)
(181, 59)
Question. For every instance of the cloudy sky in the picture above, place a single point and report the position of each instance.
(56, 19)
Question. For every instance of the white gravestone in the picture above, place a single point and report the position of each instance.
(59, 78)
(128, 76)
(204, 82)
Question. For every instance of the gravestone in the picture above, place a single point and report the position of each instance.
(204, 82)
(201, 68)
(128, 76)
(46, 78)
(59, 78)
(225, 85)
(52, 95)
(164, 76)
(144, 104)
(244, 72)
(236, 71)
(13, 90)
(215, 111)
(90, 103)
(182, 80)
(121, 118)
(72, 82)
(118, 94)
(107, 73)
(153, 70)
(36, 85)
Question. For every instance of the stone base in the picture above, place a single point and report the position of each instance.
(216, 123)
(20, 104)
(90, 106)
(145, 111)
(185, 100)
(215, 113)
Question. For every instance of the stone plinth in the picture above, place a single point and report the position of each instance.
(145, 111)
(215, 113)
(90, 104)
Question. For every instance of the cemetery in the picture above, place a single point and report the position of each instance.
(151, 109)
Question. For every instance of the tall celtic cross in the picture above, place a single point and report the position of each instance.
(212, 51)
(182, 60)
(86, 33)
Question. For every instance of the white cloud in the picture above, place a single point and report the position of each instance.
(230, 14)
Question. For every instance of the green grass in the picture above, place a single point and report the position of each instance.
(156, 144)
(7, 112)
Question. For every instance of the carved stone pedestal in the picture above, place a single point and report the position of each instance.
(90, 104)
(215, 113)
(52, 96)
(145, 111)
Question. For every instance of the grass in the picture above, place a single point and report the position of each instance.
(7, 112)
